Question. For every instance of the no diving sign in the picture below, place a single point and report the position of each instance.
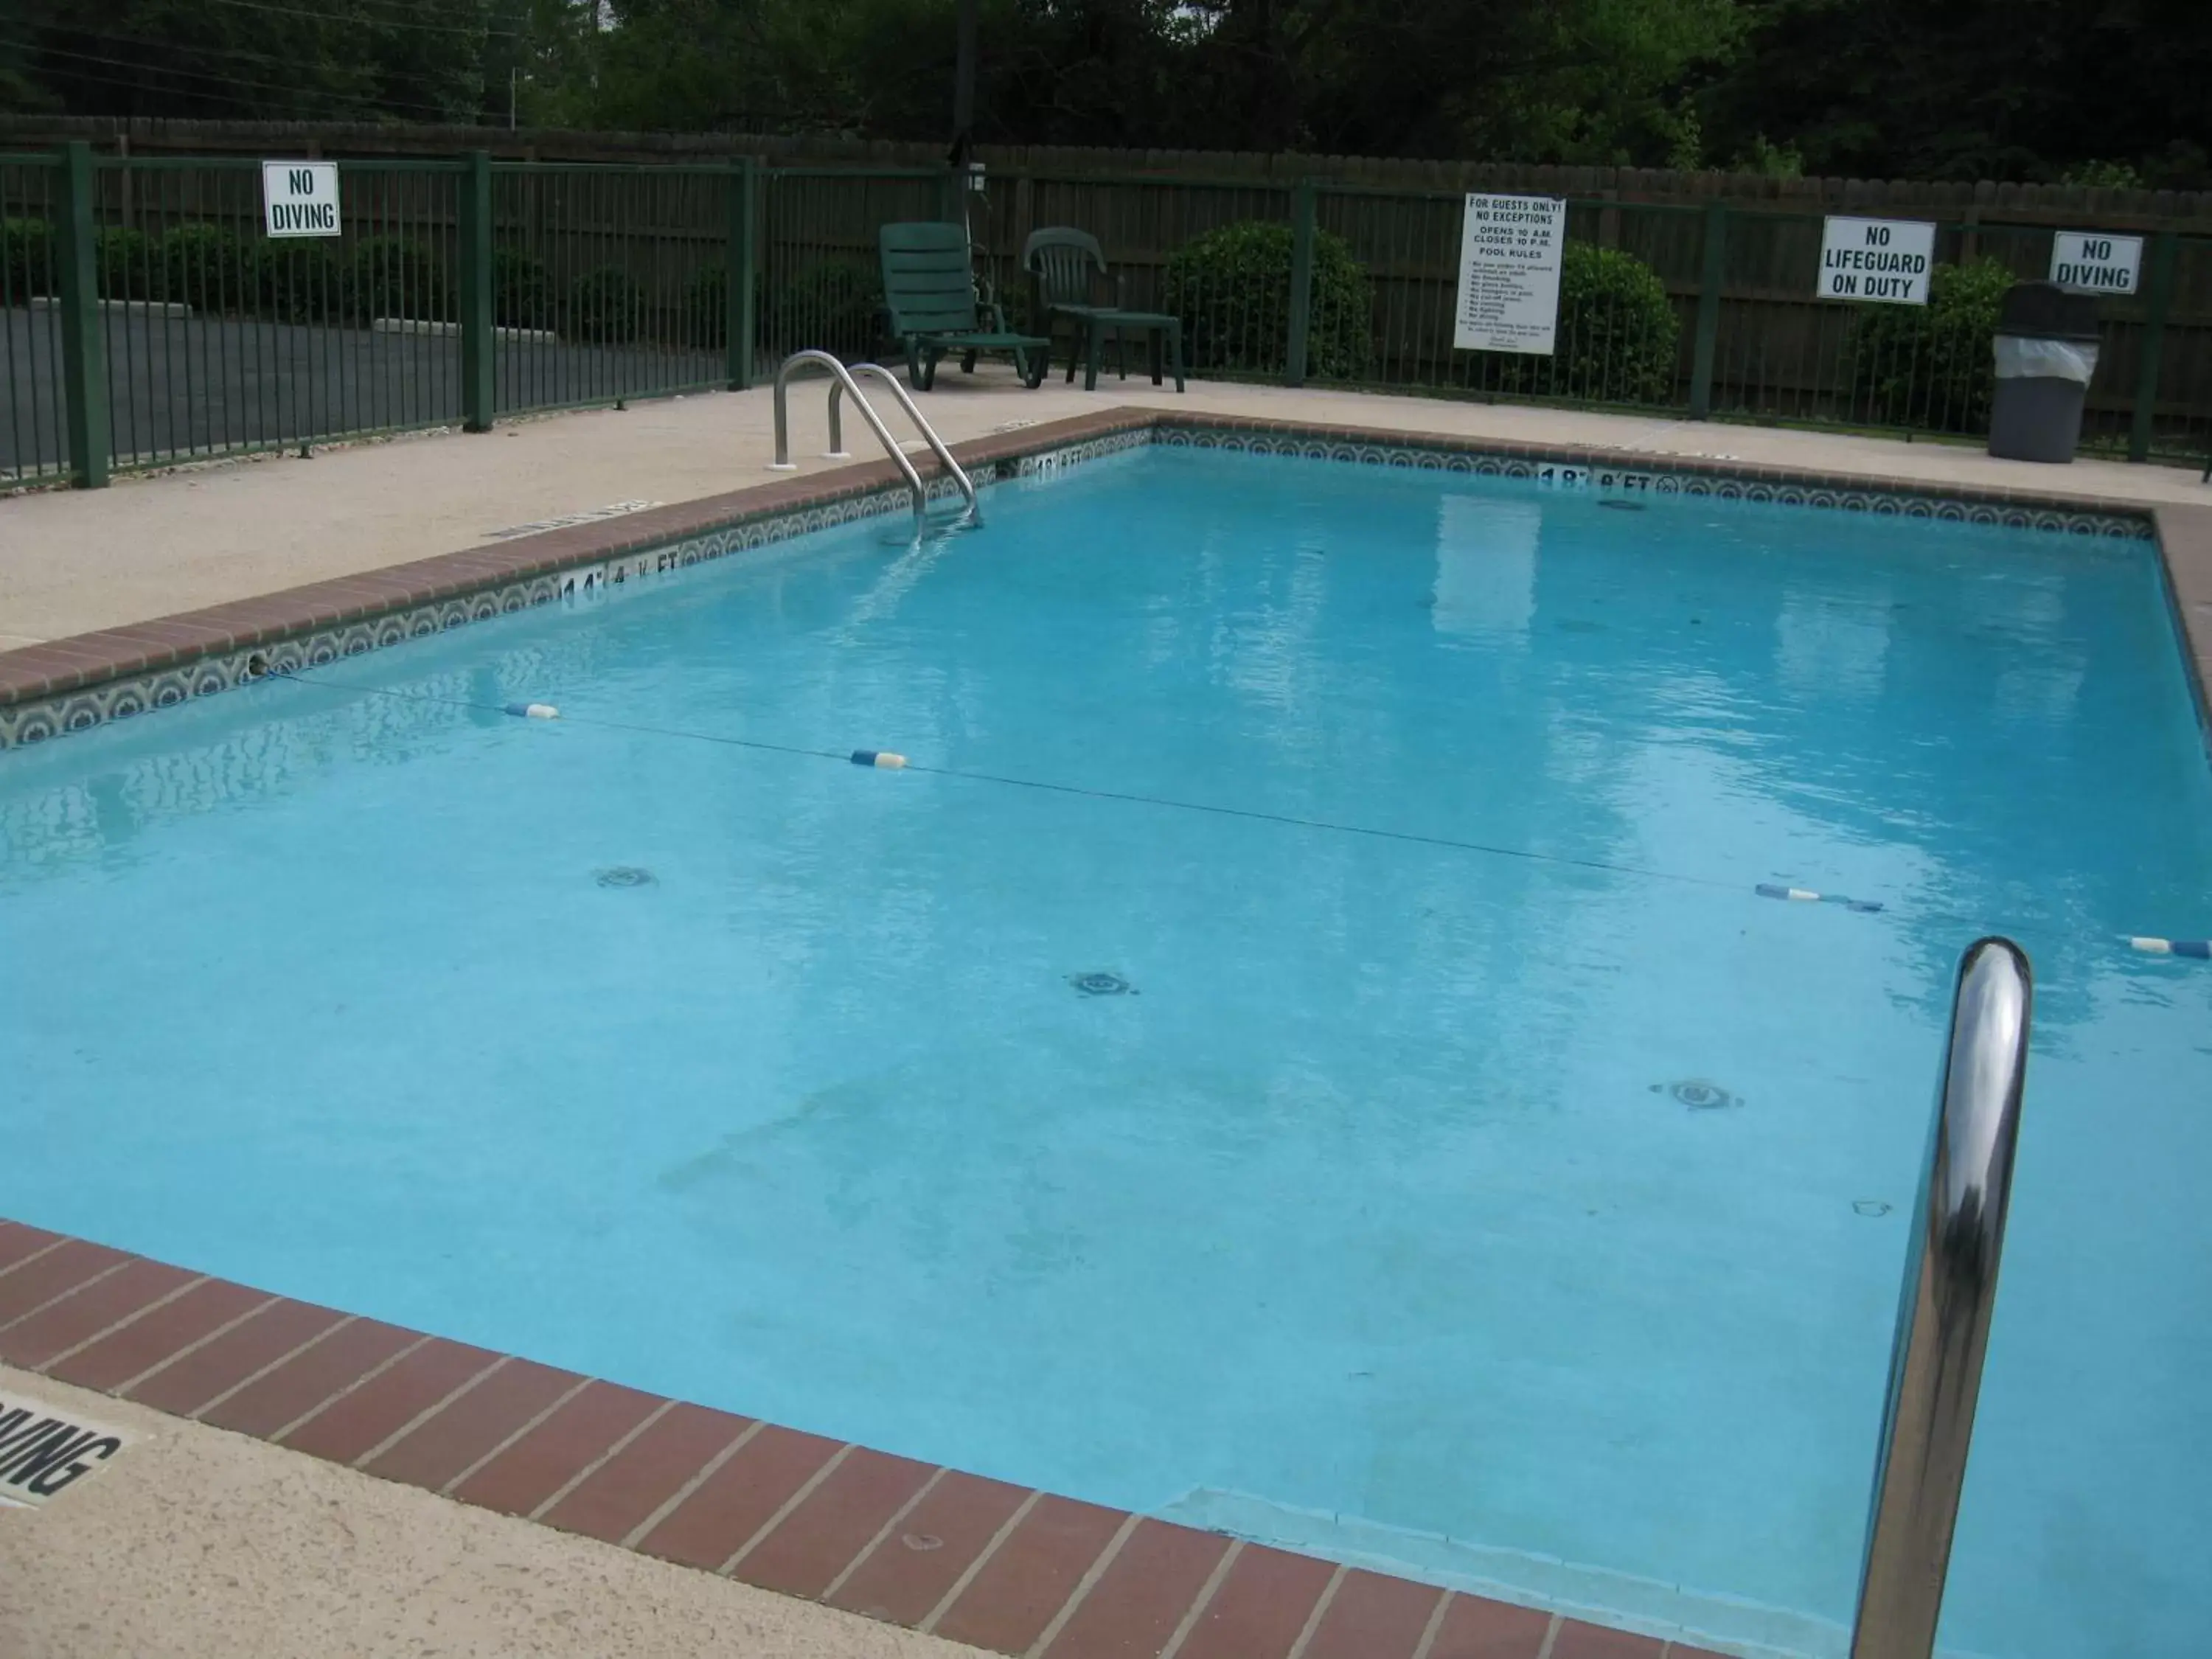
(44, 1451)
(2098, 263)
(300, 198)
(1883, 259)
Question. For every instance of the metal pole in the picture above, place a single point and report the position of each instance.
(1943, 1314)
(477, 340)
(84, 355)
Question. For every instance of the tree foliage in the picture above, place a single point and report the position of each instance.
(1975, 88)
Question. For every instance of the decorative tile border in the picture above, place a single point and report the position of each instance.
(71, 685)
(118, 699)
(1012, 1571)
(1584, 470)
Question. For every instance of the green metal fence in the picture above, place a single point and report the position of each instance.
(149, 320)
(33, 446)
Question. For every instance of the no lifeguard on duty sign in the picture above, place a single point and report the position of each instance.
(300, 198)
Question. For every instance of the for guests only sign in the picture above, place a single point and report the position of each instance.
(1883, 259)
(300, 198)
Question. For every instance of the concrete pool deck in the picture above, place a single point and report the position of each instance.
(74, 562)
(200, 1544)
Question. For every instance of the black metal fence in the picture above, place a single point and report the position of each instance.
(147, 319)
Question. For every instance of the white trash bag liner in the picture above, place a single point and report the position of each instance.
(2022, 358)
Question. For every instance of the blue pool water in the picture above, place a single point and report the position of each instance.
(1474, 1174)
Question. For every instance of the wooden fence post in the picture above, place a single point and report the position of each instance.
(738, 285)
(1709, 311)
(2165, 248)
(1301, 264)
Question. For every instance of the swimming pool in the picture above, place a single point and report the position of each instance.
(1301, 1050)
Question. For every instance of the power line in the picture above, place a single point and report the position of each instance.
(171, 71)
(197, 50)
(368, 17)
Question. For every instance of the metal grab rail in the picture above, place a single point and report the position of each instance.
(1943, 1314)
(842, 381)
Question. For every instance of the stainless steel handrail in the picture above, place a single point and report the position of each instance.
(921, 424)
(843, 382)
(1943, 1314)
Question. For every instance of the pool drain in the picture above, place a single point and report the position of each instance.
(1102, 985)
(1623, 507)
(1699, 1095)
(626, 875)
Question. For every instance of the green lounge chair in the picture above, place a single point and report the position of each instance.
(929, 290)
(1064, 265)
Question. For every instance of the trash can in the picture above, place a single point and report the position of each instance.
(2046, 348)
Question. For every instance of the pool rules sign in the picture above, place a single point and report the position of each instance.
(1886, 261)
(300, 198)
(1509, 274)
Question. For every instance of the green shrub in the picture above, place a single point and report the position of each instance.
(26, 252)
(124, 260)
(1618, 339)
(298, 281)
(521, 292)
(606, 306)
(1232, 289)
(706, 314)
(1931, 366)
(833, 306)
(206, 267)
(398, 276)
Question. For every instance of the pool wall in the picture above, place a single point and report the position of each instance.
(74, 684)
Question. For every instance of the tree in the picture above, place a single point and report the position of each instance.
(1976, 89)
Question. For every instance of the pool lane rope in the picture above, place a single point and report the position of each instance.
(2199, 948)
(885, 760)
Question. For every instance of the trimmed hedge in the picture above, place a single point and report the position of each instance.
(1931, 366)
(521, 291)
(1618, 339)
(398, 276)
(1232, 289)
(26, 252)
(833, 305)
(606, 307)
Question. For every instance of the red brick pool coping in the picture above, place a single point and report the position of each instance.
(34, 673)
(978, 1561)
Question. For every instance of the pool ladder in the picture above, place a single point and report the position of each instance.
(1943, 1313)
(842, 382)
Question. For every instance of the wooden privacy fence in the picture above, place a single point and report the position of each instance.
(149, 320)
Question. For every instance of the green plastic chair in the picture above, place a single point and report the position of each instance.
(929, 293)
(1063, 266)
